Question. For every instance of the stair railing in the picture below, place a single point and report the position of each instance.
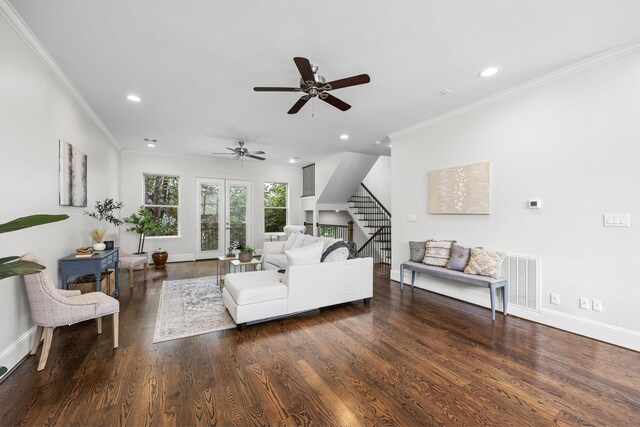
(335, 231)
(379, 218)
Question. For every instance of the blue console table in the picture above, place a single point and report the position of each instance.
(72, 266)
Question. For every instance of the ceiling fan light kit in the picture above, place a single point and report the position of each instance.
(240, 152)
(314, 85)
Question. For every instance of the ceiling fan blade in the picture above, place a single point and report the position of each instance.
(298, 105)
(350, 81)
(257, 152)
(251, 156)
(304, 66)
(224, 153)
(232, 149)
(338, 103)
(276, 89)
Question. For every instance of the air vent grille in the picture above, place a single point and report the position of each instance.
(523, 276)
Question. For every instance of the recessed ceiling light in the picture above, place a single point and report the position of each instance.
(337, 210)
(133, 98)
(446, 92)
(377, 142)
(344, 136)
(389, 145)
(151, 143)
(292, 160)
(489, 71)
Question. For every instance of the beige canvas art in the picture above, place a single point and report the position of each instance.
(460, 190)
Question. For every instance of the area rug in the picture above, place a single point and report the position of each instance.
(190, 307)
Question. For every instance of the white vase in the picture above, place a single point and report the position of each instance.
(99, 246)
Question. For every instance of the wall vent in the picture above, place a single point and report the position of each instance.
(523, 277)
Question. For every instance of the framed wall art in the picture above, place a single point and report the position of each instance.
(73, 175)
(460, 190)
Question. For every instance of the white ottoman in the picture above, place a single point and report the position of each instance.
(253, 296)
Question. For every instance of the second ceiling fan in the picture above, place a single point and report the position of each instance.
(314, 85)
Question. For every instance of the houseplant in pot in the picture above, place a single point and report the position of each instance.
(104, 212)
(246, 254)
(144, 224)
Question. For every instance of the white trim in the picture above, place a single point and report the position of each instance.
(602, 58)
(12, 355)
(12, 17)
(567, 322)
(181, 257)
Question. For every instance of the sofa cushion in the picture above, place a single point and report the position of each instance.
(309, 254)
(255, 286)
(485, 263)
(416, 251)
(437, 252)
(276, 260)
(459, 258)
(339, 251)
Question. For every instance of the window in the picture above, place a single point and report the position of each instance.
(275, 207)
(161, 198)
(309, 180)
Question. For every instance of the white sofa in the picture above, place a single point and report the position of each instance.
(262, 295)
(274, 258)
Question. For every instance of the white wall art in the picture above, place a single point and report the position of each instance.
(73, 176)
(460, 190)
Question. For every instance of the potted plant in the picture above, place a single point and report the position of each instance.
(246, 254)
(104, 211)
(13, 265)
(233, 246)
(143, 223)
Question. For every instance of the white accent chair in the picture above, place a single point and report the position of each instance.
(289, 229)
(52, 307)
(128, 261)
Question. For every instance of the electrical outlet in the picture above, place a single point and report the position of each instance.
(597, 305)
(412, 218)
(584, 303)
(555, 298)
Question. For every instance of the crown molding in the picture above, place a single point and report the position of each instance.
(20, 27)
(586, 64)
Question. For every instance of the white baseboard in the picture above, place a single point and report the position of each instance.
(13, 354)
(578, 325)
(181, 257)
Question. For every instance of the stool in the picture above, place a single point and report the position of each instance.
(255, 295)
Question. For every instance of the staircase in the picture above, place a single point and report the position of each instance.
(375, 220)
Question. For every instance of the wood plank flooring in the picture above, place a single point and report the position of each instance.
(411, 358)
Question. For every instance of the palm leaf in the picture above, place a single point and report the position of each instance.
(30, 221)
(10, 268)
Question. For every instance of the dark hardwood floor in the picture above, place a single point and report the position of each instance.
(411, 358)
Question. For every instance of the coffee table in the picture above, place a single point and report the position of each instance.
(243, 265)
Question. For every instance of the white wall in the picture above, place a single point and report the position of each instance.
(188, 168)
(345, 178)
(378, 181)
(573, 142)
(35, 111)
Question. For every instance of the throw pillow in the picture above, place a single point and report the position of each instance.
(485, 263)
(309, 254)
(437, 252)
(416, 251)
(300, 241)
(353, 249)
(290, 241)
(459, 258)
(342, 255)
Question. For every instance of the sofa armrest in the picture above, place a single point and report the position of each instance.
(274, 247)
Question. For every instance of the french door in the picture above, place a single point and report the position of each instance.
(223, 215)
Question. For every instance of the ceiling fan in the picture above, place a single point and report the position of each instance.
(240, 152)
(314, 85)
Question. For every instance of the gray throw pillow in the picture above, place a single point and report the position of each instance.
(459, 258)
(416, 250)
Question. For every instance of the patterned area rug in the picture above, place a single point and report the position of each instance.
(190, 307)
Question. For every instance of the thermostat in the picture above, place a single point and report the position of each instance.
(535, 204)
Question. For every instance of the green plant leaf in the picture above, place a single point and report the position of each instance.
(3, 370)
(17, 268)
(30, 221)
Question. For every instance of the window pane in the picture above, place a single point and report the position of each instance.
(209, 221)
(274, 220)
(275, 195)
(166, 221)
(238, 214)
(161, 190)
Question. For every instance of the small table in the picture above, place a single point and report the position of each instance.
(243, 265)
(223, 259)
(100, 260)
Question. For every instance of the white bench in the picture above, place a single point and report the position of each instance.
(472, 279)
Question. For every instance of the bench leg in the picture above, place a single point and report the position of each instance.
(401, 277)
(505, 297)
(242, 326)
(493, 303)
(413, 279)
(366, 301)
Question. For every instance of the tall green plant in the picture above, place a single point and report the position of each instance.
(12, 265)
(143, 223)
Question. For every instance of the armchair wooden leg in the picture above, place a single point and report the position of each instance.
(146, 267)
(99, 322)
(116, 325)
(36, 340)
(131, 277)
(48, 337)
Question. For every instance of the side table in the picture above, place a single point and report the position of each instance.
(100, 260)
(223, 260)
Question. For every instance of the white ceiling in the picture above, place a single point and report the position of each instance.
(194, 63)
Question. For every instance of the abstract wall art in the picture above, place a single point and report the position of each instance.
(73, 176)
(460, 190)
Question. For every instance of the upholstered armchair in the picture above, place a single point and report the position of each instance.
(52, 307)
(293, 229)
(128, 261)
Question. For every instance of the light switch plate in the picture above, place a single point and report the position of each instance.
(617, 220)
(412, 218)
